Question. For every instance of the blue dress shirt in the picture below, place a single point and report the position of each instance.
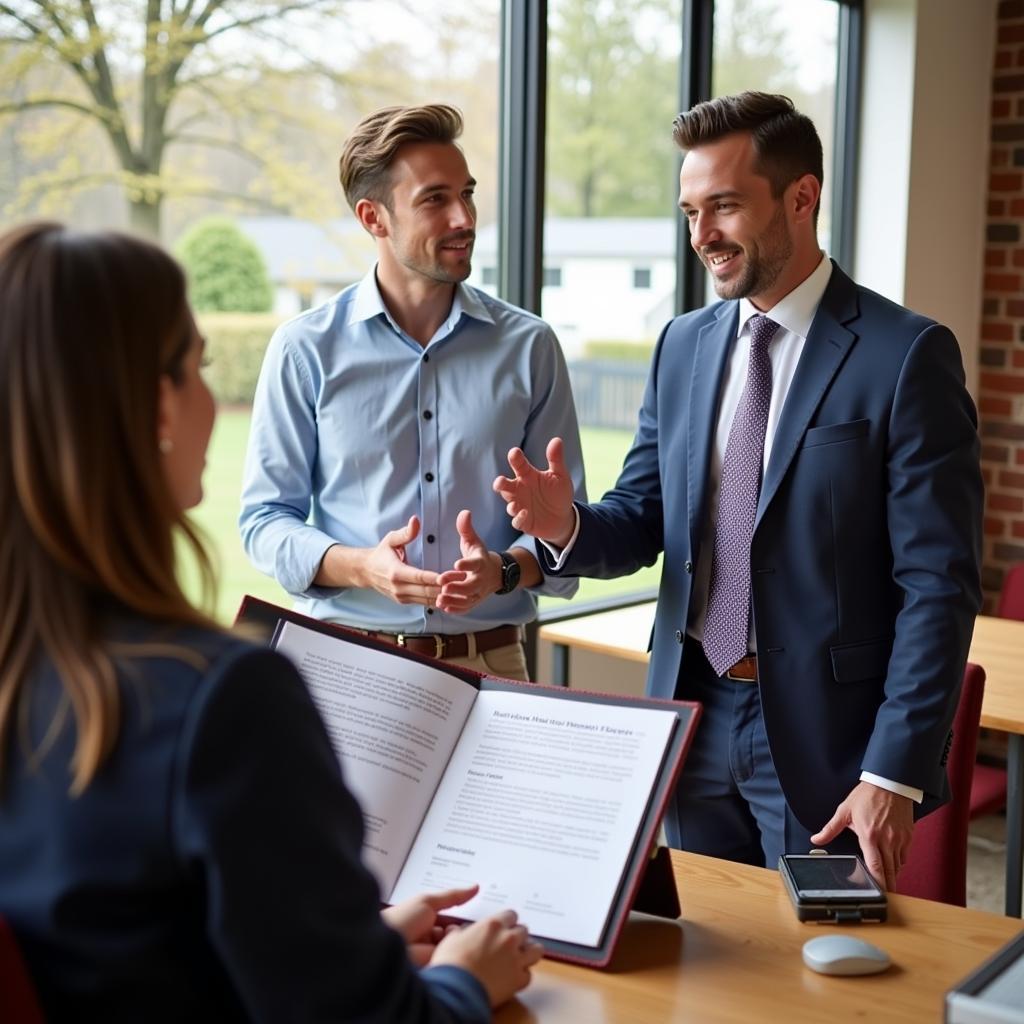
(356, 427)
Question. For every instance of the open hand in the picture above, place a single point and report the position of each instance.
(540, 501)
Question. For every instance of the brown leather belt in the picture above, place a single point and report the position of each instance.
(744, 671)
(455, 645)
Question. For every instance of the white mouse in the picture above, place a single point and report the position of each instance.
(843, 954)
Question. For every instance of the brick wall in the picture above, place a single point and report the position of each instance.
(1001, 378)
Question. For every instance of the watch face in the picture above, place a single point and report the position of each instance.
(510, 573)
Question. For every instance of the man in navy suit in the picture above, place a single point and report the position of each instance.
(807, 459)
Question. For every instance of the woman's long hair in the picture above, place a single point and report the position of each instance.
(89, 323)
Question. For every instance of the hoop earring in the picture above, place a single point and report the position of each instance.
(166, 445)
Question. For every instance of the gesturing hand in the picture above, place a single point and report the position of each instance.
(416, 920)
(475, 576)
(385, 570)
(884, 824)
(539, 501)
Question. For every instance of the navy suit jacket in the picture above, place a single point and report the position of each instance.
(866, 548)
(211, 870)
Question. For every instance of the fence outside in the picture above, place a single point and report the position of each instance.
(608, 392)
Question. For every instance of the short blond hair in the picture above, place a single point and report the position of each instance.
(365, 164)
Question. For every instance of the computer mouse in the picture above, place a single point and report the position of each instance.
(843, 954)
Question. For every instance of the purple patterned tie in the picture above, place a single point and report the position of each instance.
(727, 623)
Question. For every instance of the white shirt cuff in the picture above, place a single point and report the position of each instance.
(917, 795)
(560, 556)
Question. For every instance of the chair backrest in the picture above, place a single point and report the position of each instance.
(18, 1003)
(1011, 597)
(936, 868)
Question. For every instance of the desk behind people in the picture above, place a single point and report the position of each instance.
(997, 645)
(735, 955)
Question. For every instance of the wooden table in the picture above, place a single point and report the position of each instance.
(998, 646)
(734, 956)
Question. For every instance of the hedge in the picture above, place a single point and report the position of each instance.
(235, 343)
(619, 350)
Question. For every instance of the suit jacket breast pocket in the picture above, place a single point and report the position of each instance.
(833, 433)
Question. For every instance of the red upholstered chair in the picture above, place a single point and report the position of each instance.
(18, 1002)
(937, 866)
(988, 791)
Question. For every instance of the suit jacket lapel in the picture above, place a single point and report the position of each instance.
(714, 342)
(824, 351)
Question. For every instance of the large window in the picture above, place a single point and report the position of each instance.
(610, 220)
(787, 46)
(252, 127)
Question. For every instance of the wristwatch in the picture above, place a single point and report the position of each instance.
(510, 573)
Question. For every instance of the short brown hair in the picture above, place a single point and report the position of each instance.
(369, 151)
(786, 143)
(91, 322)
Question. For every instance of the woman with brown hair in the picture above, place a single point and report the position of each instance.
(176, 842)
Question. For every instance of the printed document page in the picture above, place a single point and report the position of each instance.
(392, 722)
(540, 805)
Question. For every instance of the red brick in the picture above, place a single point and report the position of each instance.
(1016, 528)
(1010, 34)
(992, 406)
(1020, 58)
(995, 527)
(1017, 207)
(996, 207)
(1008, 478)
(986, 477)
(1001, 107)
(1002, 282)
(1019, 457)
(995, 258)
(1004, 59)
(1005, 182)
(1018, 359)
(1006, 502)
(1018, 257)
(995, 330)
(999, 157)
(1003, 382)
(1014, 307)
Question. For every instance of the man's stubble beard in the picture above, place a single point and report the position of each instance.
(766, 259)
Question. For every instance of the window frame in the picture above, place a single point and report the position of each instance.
(521, 179)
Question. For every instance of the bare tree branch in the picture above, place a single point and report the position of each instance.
(257, 19)
(53, 101)
(216, 142)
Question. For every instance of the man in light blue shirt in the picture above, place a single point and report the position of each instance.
(378, 415)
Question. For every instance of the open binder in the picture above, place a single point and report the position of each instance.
(550, 798)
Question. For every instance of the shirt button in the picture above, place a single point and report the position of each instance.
(679, 636)
(430, 538)
(429, 477)
(427, 414)
(688, 566)
(430, 611)
(426, 358)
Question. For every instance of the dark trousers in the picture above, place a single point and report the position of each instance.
(729, 802)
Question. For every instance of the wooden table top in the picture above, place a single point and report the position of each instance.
(735, 956)
(998, 646)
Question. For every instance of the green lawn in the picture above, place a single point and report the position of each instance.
(603, 451)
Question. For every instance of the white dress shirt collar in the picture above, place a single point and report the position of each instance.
(794, 312)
